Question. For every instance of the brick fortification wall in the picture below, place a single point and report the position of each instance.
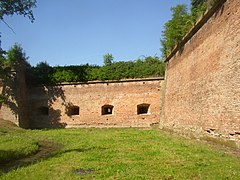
(16, 109)
(6, 112)
(203, 78)
(82, 105)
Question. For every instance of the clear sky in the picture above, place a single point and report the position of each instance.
(73, 32)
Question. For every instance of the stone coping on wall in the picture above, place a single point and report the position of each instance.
(109, 81)
(199, 24)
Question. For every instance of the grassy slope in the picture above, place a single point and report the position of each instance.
(125, 154)
(12, 144)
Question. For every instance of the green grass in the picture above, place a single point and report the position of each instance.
(12, 144)
(14, 147)
(120, 154)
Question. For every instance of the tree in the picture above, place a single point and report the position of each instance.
(65, 76)
(12, 65)
(9, 8)
(41, 74)
(198, 7)
(175, 29)
(19, 7)
(16, 58)
(108, 59)
(3, 75)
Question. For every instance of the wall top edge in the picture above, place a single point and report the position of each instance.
(199, 24)
(107, 81)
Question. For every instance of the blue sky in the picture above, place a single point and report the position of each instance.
(73, 32)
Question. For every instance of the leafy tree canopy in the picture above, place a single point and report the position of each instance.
(197, 8)
(19, 7)
(14, 61)
(9, 8)
(108, 59)
(175, 29)
(16, 57)
(181, 22)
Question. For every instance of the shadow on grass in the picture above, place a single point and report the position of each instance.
(79, 150)
(47, 149)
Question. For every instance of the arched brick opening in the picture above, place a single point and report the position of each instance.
(107, 109)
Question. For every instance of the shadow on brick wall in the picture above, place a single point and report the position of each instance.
(14, 96)
(43, 114)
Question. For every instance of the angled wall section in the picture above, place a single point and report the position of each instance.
(203, 76)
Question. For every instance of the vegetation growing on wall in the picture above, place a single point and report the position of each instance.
(43, 73)
(181, 22)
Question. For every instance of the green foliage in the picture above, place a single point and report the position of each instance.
(16, 58)
(3, 72)
(141, 68)
(108, 59)
(210, 3)
(19, 7)
(181, 22)
(9, 8)
(3, 75)
(45, 74)
(64, 76)
(14, 61)
(175, 29)
(69, 73)
(41, 74)
(15, 55)
(198, 7)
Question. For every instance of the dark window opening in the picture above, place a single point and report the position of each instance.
(73, 110)
(143, 108)
(43, 111)
(107, 109)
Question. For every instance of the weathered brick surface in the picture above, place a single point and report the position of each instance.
(16, 109)
(5, 112)
(90, 97)
(203, 81)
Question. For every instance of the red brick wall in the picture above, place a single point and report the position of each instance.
(90, 97)
(7, 114)
(17, 106)
(203, 81)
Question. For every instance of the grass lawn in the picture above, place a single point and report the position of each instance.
(109, 154)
